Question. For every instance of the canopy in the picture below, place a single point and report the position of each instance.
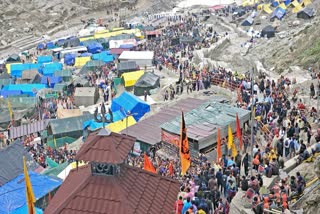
(69, 59)
(278, 13)
(147, 82)
(13, 58)
(81, 61)
(6, 93)
(103, 56)
(50, 68)
(13, 194)
(127, 102)
(11, 164)
(51, 80)
(44, 59)
(30, 89)
(268, 31)
(94, 47)
(17, 69)
(131, 78)
(93, 65)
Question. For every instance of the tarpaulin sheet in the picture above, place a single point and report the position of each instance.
(127, 102)
(8, 67)
(52, 80)
(68, 125)
(131, 78)
(24, 210)
(51, 163)
(55, 170)
(65, 113)
(16, 69)
(103, 56)
(94, 47)
(93, 125)
(30, 89)
(69, 59)
(120, 125)
(44, 59)
(50, 68)
(6, 93)
(81, 61)
(13, 194)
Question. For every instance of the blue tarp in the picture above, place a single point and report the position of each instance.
(127, 46)
(287, 2)
(52, 80)
(85, 54)
(103, 56)
(93, 125)
(278, 13)
(44, 59)
(24, 210)
(69, 59)
(30, 89)
(40, 46)
(16, 69)
(50, 68)
(94, 47)
(50, 45)
(129, 102)
(13, 193)
(6, 93)
(275, 4)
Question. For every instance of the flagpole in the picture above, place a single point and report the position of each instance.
(252, 120)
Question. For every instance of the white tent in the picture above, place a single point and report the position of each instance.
(142, 58)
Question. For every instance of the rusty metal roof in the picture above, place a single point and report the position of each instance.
(149, 130)
(134, 191)
(106, 149)
(27, 129)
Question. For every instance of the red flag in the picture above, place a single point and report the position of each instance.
(184, 148)
(171, 169)
(148, 165)
(239, 135)
(219, 152)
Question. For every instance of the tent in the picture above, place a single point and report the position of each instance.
(248, 21)
(127, 66)
(6, 93)
(71, 42)
(13, 58)
(66, 75)
(283, 6)
(11, 164)
(17, 69)
(40, 46)
(50, 45)
(86, 96)
(81, 61)
(146, 82)
(103, 56)
(94, 47)
(142, 58)
(129, 79)
(13, 194)
(287, 2)
(51, 80)
(268, 31)
(306, 13)
(93, 65)
(266, 9)
(29, 74)
(85, 54)
(44, 59)
(49, 68)
(127, 102)
(92, 125)
(120, 125)
(30, 89)
(306, 2)
(69, 59)
(275, 3)
(278, 13)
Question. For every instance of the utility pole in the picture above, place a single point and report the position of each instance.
(252, 118)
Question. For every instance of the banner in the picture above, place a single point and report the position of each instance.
(170, 138)
(66, 113)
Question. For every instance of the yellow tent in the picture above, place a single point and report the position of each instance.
(81, 61)
(283, 6)
(131, 78)
(306, 2)
(120, 125)
(86, 38)
(297, 8)
(266, 8)
(8, 67)
(260, 7)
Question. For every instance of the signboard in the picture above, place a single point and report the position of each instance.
(170, 138)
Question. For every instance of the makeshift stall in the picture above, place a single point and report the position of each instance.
(86, 96)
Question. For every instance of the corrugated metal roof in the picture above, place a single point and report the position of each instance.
(204, 120)
(134, 191)
(149, 130)
(28, 129)
(106, 149)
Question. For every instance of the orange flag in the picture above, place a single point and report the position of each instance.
(184, 148)
(29, 192)
(239, 135)
(171, 169)
(219, 152)
(148, 165)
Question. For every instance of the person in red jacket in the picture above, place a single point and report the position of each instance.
(178, 205)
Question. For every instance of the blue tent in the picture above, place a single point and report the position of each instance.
(94, 47)
(24, 210)
(16, 69)
(129, 102)
(7, 93)
(13, 193)
(275, 4)
(103, 56)
(93, 125)
(50, 68)
(44, 59)
(85, 54)
(30, 89)
(248, 21)
(287, 2)
(127, 46)
(278, 13)
(69, 59)
(50, 45)
(40, 46)
(52, 80)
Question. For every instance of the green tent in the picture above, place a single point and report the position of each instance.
(66, 75)
(60, 142)
(55, 171)
(22, 102)
(93, 65)
(51, 163)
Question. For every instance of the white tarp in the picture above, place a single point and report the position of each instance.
(118, 43)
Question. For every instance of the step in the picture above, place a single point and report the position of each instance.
(21, 40)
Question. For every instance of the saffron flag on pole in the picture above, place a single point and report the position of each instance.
(54, 142)
(230, 137)
(148, 165)
(184, 148)
(234, 150)
(10, 110)
(171, 169)
(219, 152)
(29, 192)
(239, 135)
